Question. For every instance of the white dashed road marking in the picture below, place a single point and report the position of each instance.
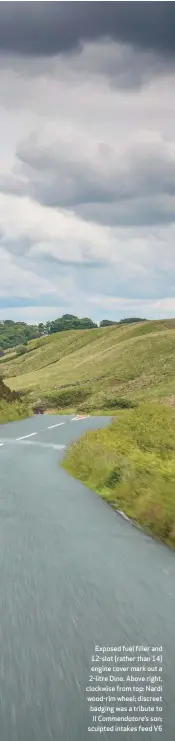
(58, 425)
(24, 436)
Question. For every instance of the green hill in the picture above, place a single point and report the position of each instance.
(19, 333)
(98, 369)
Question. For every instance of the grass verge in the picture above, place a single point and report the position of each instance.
(12, 405)
(13, 410)
(131, 464)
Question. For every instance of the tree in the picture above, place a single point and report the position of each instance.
(107, 323)
(69, 321)
(132, 320)
(87, 323)
(41, 328)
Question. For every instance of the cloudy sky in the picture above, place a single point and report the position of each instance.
(87, 159)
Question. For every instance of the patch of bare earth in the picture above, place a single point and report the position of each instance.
(168, 401)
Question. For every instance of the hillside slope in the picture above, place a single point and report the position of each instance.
(96, 368)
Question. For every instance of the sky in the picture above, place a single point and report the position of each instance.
(87, 160)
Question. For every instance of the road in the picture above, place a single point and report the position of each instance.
(73, 574)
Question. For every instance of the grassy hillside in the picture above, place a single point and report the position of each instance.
(131, 464)
(95, 369)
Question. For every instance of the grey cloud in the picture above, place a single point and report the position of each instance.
(129, 213)
(56, 177)
(47, 28)
(137, 188)
(125, 66)
(13, 185)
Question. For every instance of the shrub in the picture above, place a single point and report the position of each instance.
(21, 350)
(117, 403)
(66, 397)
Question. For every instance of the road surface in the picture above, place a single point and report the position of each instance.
(73, 574)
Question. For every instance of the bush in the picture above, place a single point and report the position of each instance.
(21, 350)
(66, 397)
(117, 403)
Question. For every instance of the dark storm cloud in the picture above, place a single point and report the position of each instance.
(47, 28)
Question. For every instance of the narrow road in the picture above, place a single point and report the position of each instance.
(73, 574)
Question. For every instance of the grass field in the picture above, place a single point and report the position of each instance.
(95, 369)
(131, 464)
